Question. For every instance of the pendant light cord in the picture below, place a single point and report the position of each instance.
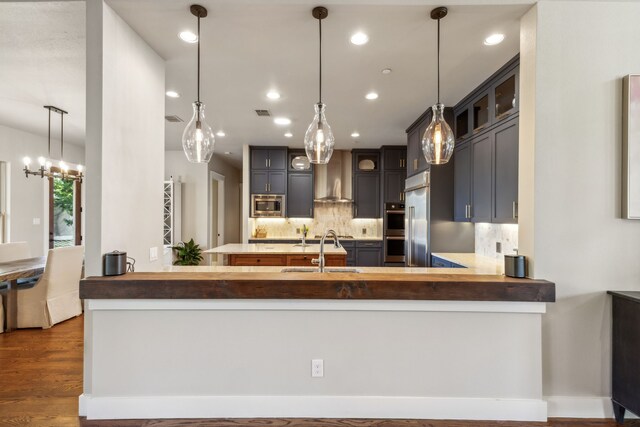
(320, 61)
(49, 132)
(198, 58)
(438, 61)
(61, 136)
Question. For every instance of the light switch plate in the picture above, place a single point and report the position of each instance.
(36, 221)
(153, 253)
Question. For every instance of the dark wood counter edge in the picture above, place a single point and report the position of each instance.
(368, 286)
(630, 295)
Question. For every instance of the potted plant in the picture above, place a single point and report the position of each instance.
(187, 253)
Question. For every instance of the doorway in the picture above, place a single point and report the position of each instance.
(4, 199)
(216, 210)
(65, 210)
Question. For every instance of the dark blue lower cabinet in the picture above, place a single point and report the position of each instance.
(437, 262)
(369, 253)
(350, 247)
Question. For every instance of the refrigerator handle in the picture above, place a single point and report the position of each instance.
(410, 237)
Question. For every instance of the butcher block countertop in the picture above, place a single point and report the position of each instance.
(271, 283)
(274, 249)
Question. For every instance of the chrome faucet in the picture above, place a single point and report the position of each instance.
(336, 244)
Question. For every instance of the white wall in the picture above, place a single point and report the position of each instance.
(194, 195)
(28, 197)
(573, 57)
(125, 141)
(232, 208)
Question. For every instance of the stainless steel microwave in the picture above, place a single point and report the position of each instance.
(267, 205)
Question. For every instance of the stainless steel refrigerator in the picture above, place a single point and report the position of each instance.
(417, 220)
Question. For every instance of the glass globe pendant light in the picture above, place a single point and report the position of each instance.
(438, 139)
(318, 140)
(198, 139)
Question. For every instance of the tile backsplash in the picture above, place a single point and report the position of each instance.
(336, 216)
(488, 234)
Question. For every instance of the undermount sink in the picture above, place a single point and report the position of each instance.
(316, 270)
(302, 245)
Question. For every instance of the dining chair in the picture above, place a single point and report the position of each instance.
(55, 297)
(12, 252)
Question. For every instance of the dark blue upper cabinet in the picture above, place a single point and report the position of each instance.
(462, 183)
(272, 158)
(393, 186)
(259, 182)
(300, 195)
(277, 182)
(366, 184)
(505, 201)
(482, 167)
(394, 158)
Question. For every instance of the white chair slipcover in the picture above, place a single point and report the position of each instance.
(56, 295)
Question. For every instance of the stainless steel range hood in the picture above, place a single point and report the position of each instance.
(333, 180)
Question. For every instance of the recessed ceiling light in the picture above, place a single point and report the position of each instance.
(359, 38)
(371, 95)
(227, 152)
(288, 134)
(172, 94)
(221, 133)
(386, 71)
(282, 121)
(355, 135)
(494, 39)
(272, 94)
(188, 37)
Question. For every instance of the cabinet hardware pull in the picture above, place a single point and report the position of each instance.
(269, 163)
(266, 163)
(466, 211)
(266, 187)
(515, 210)
(310, 212)
(356, 211)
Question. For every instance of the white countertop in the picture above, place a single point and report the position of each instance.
(476, 264)
(361, 238)
(274, 249)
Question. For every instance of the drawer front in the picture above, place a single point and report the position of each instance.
(301, 260)
(335, 260)
(257, 260)
(369, 244)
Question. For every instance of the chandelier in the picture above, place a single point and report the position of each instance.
(46, 167)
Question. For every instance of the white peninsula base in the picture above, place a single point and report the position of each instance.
(252, 358)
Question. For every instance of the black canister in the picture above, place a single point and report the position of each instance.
(515, 266)
(114, 263)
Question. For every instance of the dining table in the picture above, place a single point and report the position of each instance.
(13, 276)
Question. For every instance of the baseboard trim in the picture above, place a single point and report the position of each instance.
(378, 407)
(581, 407)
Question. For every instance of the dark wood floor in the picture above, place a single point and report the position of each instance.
(41, 379)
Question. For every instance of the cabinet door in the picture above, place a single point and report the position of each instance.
(505, 138)
(277, 158)
(394, 186)
(368, 257)
(413, 151)
(394, 159)
(366, 161)
(366, 195)
(481, 194)
(462, 183)
(259, 182)
(277, 182)
(300, 195)
(259, 158)
(422, 161)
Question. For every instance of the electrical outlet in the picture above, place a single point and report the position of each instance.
(364, 231)
(297, 230)
(317, 368)
(153, 253)
(499, 247)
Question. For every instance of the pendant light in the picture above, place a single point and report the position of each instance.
(438, 140)
(46, 169)
(318, 140)
(197, 139)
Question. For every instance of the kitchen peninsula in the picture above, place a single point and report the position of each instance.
(257, 254)
(215, 342)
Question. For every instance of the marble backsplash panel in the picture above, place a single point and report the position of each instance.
(336, 216)
(488, 234)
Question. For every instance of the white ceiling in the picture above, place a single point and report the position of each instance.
(42, 62)
(249, 47)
